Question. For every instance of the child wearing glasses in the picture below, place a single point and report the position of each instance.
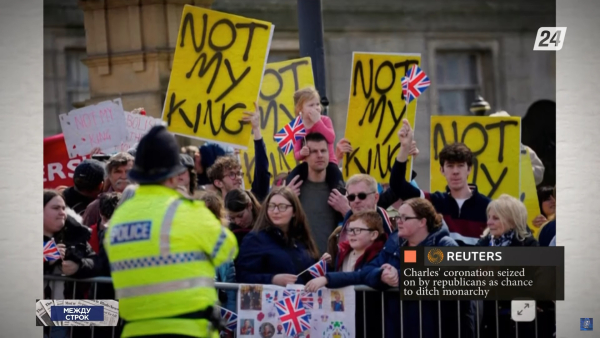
(365, 239)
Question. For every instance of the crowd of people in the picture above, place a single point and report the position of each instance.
(283, 228)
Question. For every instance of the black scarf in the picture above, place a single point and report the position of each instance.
(504, 240)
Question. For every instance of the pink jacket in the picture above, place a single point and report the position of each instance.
(325, 127)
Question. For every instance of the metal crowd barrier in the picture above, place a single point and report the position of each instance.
(359, 288)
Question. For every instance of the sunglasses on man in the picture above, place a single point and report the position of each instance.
(361, 196)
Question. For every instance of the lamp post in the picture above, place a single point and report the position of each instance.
(310, 28)
(479, 107)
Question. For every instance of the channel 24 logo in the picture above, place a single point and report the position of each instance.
(550, 38)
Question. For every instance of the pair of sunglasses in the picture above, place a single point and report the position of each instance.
(361, 196)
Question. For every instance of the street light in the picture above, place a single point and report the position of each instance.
(479, 107)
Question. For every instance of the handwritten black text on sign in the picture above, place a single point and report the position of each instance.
(378, 105)
(202, 65)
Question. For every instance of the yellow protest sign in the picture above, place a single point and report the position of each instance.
(496, 144)
(375, 111)
(216, 76)
(529, 191)
(276, 105)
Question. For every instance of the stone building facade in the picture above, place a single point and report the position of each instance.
(469, 47)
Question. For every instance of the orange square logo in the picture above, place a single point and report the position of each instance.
(410, 256)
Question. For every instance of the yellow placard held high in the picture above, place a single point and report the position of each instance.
(529, 191)
(216, 76)
(496, 144)
(276, 105)
(375, 111)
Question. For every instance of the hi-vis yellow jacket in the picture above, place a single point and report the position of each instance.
(163, 250)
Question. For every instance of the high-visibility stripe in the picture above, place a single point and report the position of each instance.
(184, 284)
(220, 242)
(165, 227)
(162, 260)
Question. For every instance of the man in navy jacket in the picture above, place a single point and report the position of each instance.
(463, 207)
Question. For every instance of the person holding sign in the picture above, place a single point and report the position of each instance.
(226, 173)
(463, 207)
(307, 104)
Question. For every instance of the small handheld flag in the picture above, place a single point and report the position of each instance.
(319, 269)
(289, 133)
(230, 319)
(51, 251)
(404, 82)
(415, 82)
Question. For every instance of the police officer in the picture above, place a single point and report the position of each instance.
(163, 249)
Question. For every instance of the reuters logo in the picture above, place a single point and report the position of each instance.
(435, 256)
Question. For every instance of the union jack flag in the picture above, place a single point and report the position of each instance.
(306, 297)
(230, 319)
(293, 315)
(307, 300)
(51, 251)
(289, 133)
(319, 269)
(416, 82)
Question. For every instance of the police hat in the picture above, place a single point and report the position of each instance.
(157, 157)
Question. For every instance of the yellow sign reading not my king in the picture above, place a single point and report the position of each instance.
(375, 111)
(216, 76)
(496, 146)
(276, 105)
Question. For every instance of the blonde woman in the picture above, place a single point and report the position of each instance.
(507, 224)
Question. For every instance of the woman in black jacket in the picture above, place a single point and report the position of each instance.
(506, 226)
(71, 238)
(280, 246)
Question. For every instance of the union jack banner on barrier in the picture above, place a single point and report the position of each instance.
(293, 315)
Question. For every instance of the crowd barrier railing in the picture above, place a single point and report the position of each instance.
(358, 288)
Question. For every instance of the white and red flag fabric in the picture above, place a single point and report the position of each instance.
(293, 315)
(414, 83)
(289, 133)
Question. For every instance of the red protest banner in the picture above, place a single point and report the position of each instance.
(58, 167)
